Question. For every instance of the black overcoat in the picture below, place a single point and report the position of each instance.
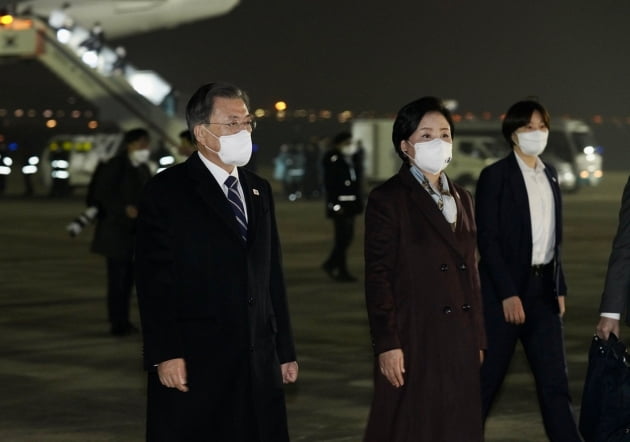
(423, 296)
(218, 302)
(115, 185)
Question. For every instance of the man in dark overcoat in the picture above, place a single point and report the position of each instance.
(115, 191)
(218, 343)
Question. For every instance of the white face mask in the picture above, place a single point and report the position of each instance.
(532, 143)
(432, 156)
(236, 149)
(349, 149)
(140, 156)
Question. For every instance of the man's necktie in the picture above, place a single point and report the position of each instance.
(237, 205)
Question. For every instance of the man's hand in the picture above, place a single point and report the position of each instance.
(605, 326)
(131, 211)
(513, 310)
(561, 305)
(172, 374)
(289, 372)
(392, 365)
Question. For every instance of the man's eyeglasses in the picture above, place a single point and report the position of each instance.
(234, 125)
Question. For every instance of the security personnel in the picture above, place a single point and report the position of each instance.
(343, 176)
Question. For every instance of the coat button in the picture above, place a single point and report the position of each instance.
(347, 183)
(462, 266)
(447, 310)
(444, 267)
(250, 301)
(466, 307)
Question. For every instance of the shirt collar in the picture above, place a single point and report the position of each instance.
(217, 172)
(539, 167)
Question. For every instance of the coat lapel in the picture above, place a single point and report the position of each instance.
(427, 207)
(519, 191)
(211, 193)
(252, 200)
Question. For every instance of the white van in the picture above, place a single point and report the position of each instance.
(571, 149)
(470, 153)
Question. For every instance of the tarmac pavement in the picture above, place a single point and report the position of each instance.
(64, 378)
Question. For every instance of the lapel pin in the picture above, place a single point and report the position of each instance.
(255, 191)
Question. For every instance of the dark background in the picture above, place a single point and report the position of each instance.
(369, 56)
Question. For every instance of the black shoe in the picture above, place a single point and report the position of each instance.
(124, 329)
(329, 269)
(345, 277)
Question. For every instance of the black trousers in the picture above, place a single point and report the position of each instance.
(344, 232)
(543, 341)
(120, 277)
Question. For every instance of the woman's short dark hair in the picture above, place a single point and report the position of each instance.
(519, 115)
(409, 117)
(200, 105)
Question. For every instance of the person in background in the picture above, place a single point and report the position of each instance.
(617, 286)
(115, 193)
(186, 145)
(218, 343)
(342, 173)
(519, 222)
(422, 290)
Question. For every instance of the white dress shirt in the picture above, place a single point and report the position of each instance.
(221, 175)
(542, 211)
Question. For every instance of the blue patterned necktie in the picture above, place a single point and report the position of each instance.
(237, 205)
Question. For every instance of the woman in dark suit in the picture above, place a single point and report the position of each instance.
(422, 290)
(519, 220)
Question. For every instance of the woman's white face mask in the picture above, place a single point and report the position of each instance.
(432, 156)
(236, 149)
(532, 143)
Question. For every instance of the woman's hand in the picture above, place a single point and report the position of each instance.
(561, 305)
(392, 365)
(513, 310)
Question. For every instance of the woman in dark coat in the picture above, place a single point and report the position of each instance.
(422, 290)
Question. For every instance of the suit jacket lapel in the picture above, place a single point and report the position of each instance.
(211, 193)
(428, 208)
(557, 203)
(251, 199)
(519, 191)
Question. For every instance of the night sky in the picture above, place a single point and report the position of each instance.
(377, 56)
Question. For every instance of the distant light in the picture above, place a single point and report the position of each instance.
(326, 114)
(7, 161)
(60, 174)
(18, 113)
(29, 170)
(589, 150)
(47, 113)
(31, 113)
(280, 106)
(598, 174)
(598, 119)
(13, 146)
(64, 35)
(59, 164)
(93, 124)
(6, 20)
(167, 160)
(51, 124)
(149, 84)
(450, 104)
(160, 169)
(4, 170)
(90, 58)
(75, 114)
(259, 113)
(584, 174)
(33, 160)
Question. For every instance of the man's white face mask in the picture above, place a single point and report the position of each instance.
(236, 149)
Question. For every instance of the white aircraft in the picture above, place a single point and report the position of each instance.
(121, 18)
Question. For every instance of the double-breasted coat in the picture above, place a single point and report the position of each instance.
(423, 296)
(219, 302)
